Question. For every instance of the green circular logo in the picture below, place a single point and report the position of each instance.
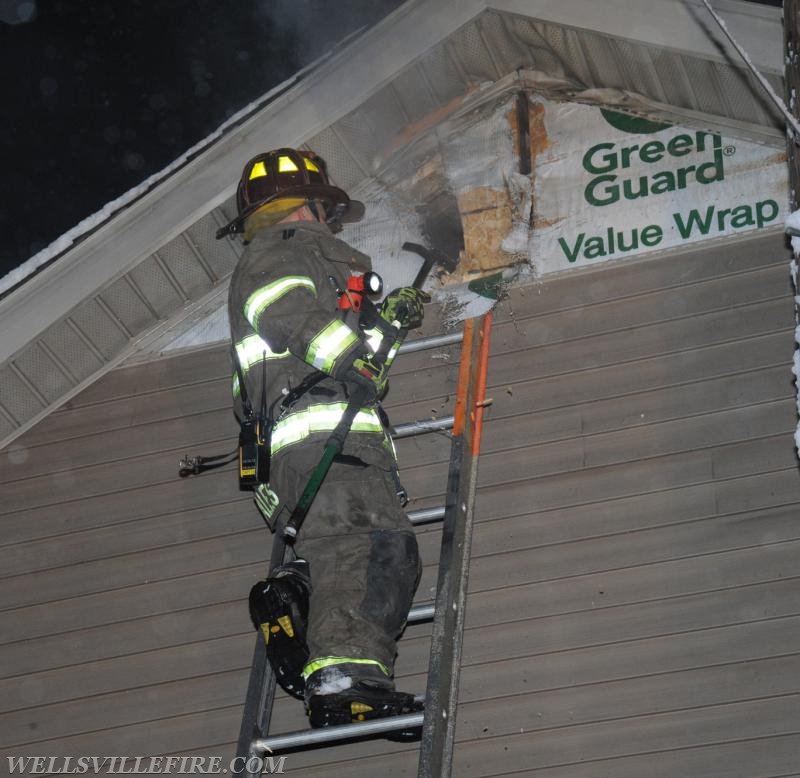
(633, 124)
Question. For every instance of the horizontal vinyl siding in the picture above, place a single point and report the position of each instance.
(639, 495)
(633, 601)
(124, 591)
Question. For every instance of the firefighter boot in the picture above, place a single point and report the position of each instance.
(347, 693)
(279, 608)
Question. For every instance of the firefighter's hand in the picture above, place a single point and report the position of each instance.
(366, 372)
(404, 307)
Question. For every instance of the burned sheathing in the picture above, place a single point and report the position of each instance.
(442, 227)
(470, 180)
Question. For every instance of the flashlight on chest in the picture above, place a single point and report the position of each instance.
(357, 286)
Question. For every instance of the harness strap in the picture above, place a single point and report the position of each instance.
(308, 383)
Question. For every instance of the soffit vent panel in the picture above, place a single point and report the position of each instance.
(7, 427)
(126, 306)
(227, 210)
(473, 55)
(595, 61)
(363, 131)
(599, 52)
(72, 351)
(498, 43)
(181, 266)
(566, 50)
(746, 97)
(442, 74)
(706, 86)
(43, 373)
(345, 171)
(102, 332)
(17, 397)
(672, 75)
(509, 52)
(384, 108)
(153, 283)
(96, 333)
(221, 256)
(543, 55)
(639, 69)
(415, 94)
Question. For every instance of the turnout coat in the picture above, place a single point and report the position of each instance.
(360, 546)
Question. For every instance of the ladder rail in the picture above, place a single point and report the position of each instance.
(441, 699)
(261, 685)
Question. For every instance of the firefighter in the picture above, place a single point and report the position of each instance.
(301, 345)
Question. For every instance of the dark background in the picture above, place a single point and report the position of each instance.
(97, 96)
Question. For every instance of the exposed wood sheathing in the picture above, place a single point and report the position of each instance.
(479, 160)
(634, 603)
(486, 218)
(496, 219)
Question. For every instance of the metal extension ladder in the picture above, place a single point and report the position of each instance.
(439, 717)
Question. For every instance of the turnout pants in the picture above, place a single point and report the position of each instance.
(362, 555)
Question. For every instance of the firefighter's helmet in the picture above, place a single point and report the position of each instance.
(289, 178)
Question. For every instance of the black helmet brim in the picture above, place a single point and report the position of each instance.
(343, 210)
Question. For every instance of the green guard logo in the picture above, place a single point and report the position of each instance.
(607, 162)
(622, 172)
(632, 124)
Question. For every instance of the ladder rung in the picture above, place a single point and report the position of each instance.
(422, 426)
(420, 344)
(426, 514)
(421, 612)
(342, 732)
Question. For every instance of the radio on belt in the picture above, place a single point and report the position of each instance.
(253, 455)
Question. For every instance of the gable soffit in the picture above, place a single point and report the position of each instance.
(157, 263)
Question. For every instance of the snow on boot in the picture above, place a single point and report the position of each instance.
(350, 693)
(361, 702)
(279, 608)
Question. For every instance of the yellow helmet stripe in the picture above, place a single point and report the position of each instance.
(286, 165)
(258, 171)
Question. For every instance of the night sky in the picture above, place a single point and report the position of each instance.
(97, 96)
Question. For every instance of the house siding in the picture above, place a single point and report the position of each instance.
(633, 598)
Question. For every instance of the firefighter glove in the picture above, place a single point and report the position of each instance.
(404, 307)
(365, 371)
